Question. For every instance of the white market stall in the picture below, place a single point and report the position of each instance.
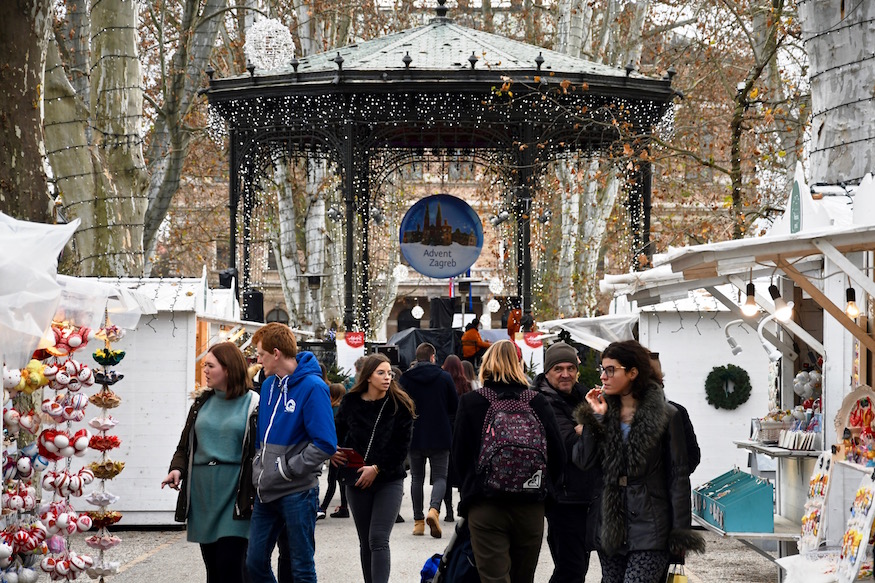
(820, 250)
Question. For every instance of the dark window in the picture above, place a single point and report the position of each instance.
(277, 315)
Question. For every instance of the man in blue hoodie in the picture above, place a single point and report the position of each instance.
(295, 437)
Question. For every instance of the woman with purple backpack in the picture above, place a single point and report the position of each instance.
(508, 453)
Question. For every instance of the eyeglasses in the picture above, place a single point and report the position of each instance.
(609, 371)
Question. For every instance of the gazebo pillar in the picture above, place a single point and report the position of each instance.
(233, 199)
(640, 180)
(349, 181)
(523, 211)
(355, 161)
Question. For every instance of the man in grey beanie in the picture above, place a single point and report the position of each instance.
(567, 516)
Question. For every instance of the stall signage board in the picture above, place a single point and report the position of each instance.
(856, 537)
(814, 518)
(441, 236)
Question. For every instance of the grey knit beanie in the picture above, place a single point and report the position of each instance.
(559, 352)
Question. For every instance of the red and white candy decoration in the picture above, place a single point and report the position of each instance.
(56, 444)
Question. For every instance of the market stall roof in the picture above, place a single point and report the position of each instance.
(596, 332)
(707, 266)
(824, 226)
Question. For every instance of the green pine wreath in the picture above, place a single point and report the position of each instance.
(716, 385)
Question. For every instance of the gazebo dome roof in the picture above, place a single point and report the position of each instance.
(443, 46)
(439, 56)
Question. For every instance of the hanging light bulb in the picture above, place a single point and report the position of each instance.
(783, 310)
(417, 311)
(851, 308)
(750, 308)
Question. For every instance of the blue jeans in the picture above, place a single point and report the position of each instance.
(298, 513)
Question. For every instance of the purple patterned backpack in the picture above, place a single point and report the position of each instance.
(513, 450)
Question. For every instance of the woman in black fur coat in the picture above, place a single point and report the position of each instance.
(638, 441)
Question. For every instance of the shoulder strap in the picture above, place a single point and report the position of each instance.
(489, 394)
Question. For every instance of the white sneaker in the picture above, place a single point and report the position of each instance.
(320, 514)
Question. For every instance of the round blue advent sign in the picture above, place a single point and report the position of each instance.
(441, 236)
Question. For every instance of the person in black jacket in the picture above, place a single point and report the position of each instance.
(567, 516)
(376, 420)
(638, 441)
(694, 454)
(434, 393)
(506, 529)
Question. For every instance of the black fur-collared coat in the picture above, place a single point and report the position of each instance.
(645, 500)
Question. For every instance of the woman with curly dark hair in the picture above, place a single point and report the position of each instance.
(638, 441)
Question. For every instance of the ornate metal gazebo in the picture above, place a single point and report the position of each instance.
(374, 106)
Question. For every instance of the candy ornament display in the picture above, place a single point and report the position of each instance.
(106, 468)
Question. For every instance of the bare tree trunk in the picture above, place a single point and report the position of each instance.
(589, 197)
(839, 40)
(286, 246)
(24, 29)
(314, 230)
(569, 219)
(382, 303)
(72, 159)
(171, 137)
(488, 15)
(116, 113)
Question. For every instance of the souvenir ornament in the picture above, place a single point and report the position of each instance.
(33, 376)
(105, 399)
(68, 339)
(110, 333)
(104, 442)
(103, 569)
(103, 423)
(107, 469)
(102, 542)
(104, 518)
(108, 357)
(108, 378)
(12, 379)
(101, 499)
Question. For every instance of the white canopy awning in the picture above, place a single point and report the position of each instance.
(596, 332)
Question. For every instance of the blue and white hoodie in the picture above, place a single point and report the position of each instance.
(295, 431)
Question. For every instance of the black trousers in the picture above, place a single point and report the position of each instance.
(566, 534)
(332, 486)
(225, 560)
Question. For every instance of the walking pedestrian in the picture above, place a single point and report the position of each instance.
(337, 392)
(567, 526)
(434, 394)
(295, 436)
(453, 366)
(375, 420)
(637, 440)
(506, 521)
(471, 375)
(211, 465)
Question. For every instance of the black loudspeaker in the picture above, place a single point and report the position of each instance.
(391, 352)
(442, 310)
(253, 306)
(226, 276)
